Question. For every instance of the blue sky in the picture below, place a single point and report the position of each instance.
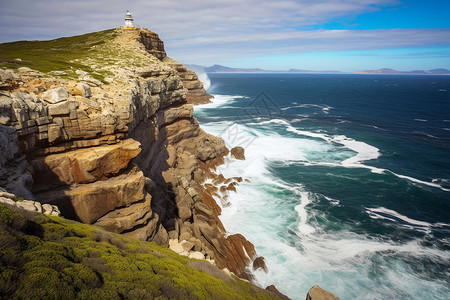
(345, 35)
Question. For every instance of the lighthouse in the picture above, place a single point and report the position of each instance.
(129, 19)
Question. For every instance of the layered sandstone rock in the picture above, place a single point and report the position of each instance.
(152, 43)
(196, 93)
(128, 155)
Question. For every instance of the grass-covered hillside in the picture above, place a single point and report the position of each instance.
(54, 55)
(98, 54)
(45, 257)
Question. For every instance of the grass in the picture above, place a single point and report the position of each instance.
(63, 54)
(53, 258)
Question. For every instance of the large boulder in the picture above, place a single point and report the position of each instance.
(83, 165)
(89, 202)
(55, 95)
(317, 293)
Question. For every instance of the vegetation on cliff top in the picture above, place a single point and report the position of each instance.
(54, 258)
(96, 54)
(54, 55)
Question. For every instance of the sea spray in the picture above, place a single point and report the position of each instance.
(203, 77)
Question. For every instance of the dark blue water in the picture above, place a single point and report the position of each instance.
(350, 179)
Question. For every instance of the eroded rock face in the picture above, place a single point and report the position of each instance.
(128, 156)
(196, 93)
(152, 43)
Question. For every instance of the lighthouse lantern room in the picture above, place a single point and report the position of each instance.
(129, 19)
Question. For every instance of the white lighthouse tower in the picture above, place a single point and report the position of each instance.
(129, 19)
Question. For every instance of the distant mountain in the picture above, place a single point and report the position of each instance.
(415, 72)
(223, 69)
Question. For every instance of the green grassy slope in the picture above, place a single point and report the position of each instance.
(55, 55)
(53, 258)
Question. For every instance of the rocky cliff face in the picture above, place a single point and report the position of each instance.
(124, 152)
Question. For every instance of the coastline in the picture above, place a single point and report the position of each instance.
(329, 257)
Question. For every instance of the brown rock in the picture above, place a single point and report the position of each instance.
(238, 152)
(83, 165)
(201, 208)
(196, 93)
(259, 263)
(274, 290)
(184, 213)
(126, 218)
(171, 114)
(187, 246)
(89, 202)
(80, 89)
(317, 293)
(152, 43)
(185, 236)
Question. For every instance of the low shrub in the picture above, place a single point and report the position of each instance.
(71, 260)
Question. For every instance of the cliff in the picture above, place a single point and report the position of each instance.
(101, 126)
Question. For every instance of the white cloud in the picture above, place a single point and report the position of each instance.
(210, 30)
(304, 41)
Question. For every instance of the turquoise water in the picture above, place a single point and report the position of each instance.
(349, 180)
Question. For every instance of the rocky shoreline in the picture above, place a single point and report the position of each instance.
(122, 151)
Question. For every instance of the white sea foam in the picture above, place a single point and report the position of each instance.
(432, 184)
(325, 108)
(332, 201)
(218, 101)
(392, 215)
(303, 227)
(364, 152)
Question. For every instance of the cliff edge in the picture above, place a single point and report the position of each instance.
(102, 126)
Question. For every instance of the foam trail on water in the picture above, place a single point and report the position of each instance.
(364, 152)
(218, 101)
(303, 227)
(393, 216)
(432, 184)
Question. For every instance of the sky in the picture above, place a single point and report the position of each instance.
(344, 35)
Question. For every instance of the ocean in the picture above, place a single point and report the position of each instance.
(349, 180)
